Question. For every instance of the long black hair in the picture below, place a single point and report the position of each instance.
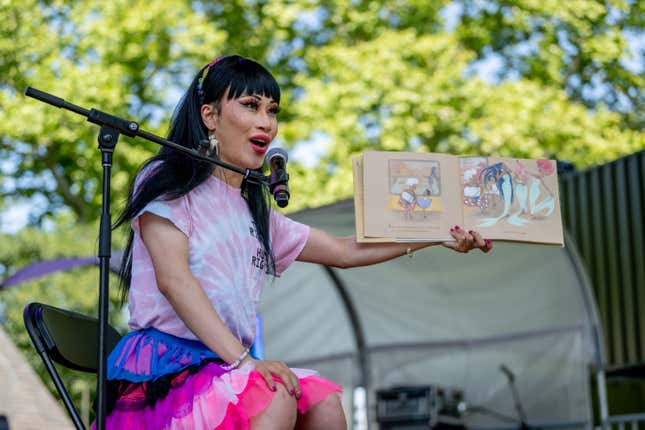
(177, 174)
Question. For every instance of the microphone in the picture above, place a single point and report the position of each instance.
(516, 397)
(508, 372)
(279, 178)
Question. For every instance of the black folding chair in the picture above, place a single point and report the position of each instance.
(69, 339)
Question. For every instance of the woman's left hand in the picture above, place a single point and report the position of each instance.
(277, 369)
(466, 241)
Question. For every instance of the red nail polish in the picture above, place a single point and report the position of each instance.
(456, 227)
(488, 241)
(452, 229)
(471, 232)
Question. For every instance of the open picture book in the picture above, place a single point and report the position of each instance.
(412, 197)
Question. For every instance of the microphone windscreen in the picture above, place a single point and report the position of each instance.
(277, 152)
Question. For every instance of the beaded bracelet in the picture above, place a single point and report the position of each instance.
(237, 362)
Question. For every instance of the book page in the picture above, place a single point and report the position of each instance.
(512, 199)
(357, 171)
(410, 196)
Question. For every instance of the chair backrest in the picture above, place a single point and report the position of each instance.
(69, 338)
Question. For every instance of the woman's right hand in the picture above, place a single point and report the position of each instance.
(465, 242)
(269, 369)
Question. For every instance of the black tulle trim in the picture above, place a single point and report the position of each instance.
(154, 390)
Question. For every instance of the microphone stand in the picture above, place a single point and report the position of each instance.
(516, 397)
(111, 127)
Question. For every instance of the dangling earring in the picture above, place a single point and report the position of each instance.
(214, 145)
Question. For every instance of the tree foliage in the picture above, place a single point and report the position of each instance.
(576, 45)
(120, 57)
(356, 74)
(405, 91)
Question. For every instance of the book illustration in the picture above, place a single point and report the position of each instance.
(510, 191)
(414, 196)
(414, 187)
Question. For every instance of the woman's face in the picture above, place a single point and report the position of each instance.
(244, 127)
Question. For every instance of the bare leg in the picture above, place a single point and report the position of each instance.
(280, 415)
(326, 415)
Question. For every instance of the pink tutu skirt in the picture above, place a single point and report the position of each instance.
(158, 381)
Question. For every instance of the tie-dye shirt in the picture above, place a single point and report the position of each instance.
(225, 255)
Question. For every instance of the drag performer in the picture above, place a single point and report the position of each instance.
(203, 241)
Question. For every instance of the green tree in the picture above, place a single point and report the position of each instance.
(576, 45)
(121, 57)
(130, 58)
(405, 91)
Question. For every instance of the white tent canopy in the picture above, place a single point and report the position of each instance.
(445, 319)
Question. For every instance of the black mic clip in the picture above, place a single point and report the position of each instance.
(278, 185)
(279, 178)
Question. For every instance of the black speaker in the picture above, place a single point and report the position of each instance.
(420, 408)
(409, 408)
(4, 423)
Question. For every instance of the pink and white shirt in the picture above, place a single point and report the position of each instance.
(225, 255)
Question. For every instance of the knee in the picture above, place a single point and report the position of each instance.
(335, 414)
(282, 398)
(326, 415)
(284, 404)
(281, 413)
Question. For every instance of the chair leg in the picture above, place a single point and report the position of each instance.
(60, 387)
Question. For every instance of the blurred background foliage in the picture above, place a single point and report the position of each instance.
(524, 78)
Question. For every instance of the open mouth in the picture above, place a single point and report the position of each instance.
(260, 146)
(259, 142)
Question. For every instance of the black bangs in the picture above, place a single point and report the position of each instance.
(240, 76)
